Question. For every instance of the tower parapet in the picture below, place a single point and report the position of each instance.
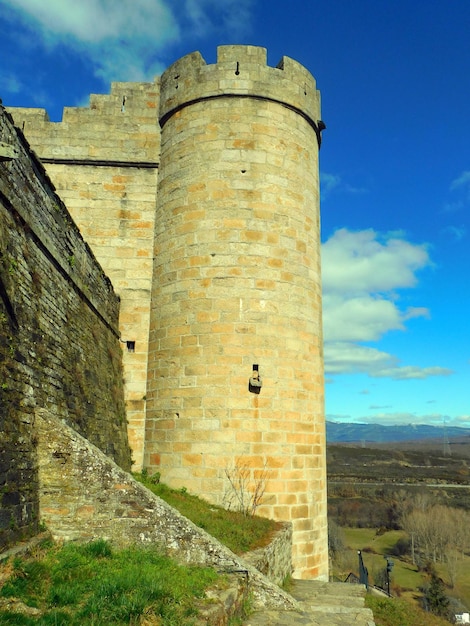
(239, 71)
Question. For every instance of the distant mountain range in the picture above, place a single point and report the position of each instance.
(347, 433)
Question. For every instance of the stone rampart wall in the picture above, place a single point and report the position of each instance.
(275, 559)
(103, 161)
(84, 496)
(232, 230)
(59, 339)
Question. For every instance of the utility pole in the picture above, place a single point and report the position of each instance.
(363, 573)
(446, 445)
(389, 568)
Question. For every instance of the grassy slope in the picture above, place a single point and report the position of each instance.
(397, 612)
(92, 585)
(241, 533)
(81, 585)
(376, 547)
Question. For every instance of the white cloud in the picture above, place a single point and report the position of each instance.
(125, 39)
(461, 181)
(364, 262)
(120, 39)
(457, 232)
(461, 420)
(453, 207)
(362, 273)
(230, 16)
(409, 372)
(358, 318)
(92, 21)
(330, 183)
(460, 188)
(10, 83)
(346, 357)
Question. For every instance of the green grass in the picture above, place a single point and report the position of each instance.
(375, 547)
(93, 585)
(235, 530)
(367, 538)
(397, 612)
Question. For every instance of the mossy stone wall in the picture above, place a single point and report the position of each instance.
(59, 343)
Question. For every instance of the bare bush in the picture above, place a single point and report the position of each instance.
(246, 487)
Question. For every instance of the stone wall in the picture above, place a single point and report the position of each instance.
(275, 559)
(103, 161)
(84, 496)
(59, 339)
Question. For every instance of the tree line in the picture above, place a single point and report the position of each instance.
(434, 532)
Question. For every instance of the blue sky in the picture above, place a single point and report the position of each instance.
(395, 162)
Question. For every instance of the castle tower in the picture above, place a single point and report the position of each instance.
(236, 292)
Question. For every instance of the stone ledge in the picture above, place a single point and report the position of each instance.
(25, 548)
(223, 604)
(275, 559)
(84, 496)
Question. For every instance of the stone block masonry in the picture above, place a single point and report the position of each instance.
(237, 291)
(217, 263)
(103, 160)
(59, 337)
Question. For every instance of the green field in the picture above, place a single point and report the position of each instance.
(406, 579)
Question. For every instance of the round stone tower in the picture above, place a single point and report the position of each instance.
(235, 388)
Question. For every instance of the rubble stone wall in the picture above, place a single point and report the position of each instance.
(84, 496)
(59, 338)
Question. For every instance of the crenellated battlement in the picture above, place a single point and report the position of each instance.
(119, 126)
(239, 71)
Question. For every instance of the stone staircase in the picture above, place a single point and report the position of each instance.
(320, 604)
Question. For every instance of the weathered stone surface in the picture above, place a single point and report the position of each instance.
(275, 559)
(13, 605)
(320, 604)
(84, 495)
(222, 604)
(59, 337)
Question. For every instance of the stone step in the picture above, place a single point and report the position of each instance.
(305, 590)
(321, 604)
